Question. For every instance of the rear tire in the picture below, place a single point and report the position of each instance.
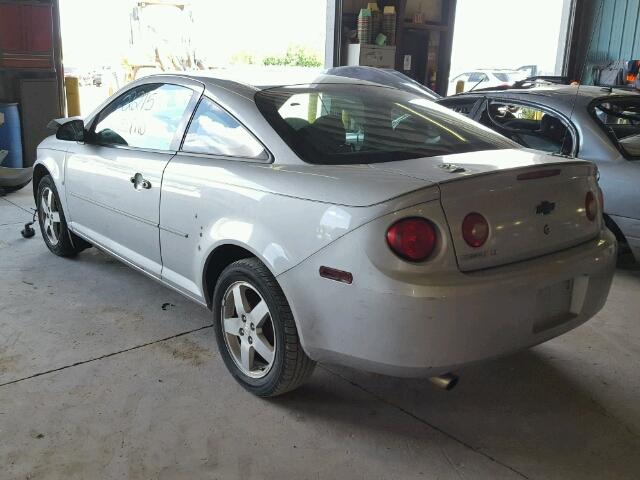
(252, 315)
(53, 224)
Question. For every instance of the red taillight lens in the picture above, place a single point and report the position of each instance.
(412, 238)
(475, 230)
(591, 206)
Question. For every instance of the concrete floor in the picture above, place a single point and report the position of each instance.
(98, 380)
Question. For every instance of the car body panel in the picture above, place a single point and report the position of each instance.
(430, 319)
(208, 202)
(456, 166)
(103, 204)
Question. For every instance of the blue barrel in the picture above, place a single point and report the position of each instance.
(10, 134)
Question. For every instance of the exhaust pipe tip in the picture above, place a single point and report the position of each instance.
(447, 381)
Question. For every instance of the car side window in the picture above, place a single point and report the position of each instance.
(529, 126)
(146, 117)
(213, 131)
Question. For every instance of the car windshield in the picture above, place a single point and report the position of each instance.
(355, 124)
(620, 117)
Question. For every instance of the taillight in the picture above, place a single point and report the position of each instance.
(412, 238)
(591, 206)
(475, 230)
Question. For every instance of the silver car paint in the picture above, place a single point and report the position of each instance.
(620, 177)
(295, 217)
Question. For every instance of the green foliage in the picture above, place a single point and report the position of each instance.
(296, 56)
(529, 113)
(243, 58)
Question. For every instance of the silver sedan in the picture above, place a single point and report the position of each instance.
(598, 124)
(336, 221)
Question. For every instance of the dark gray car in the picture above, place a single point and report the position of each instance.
(592, 123)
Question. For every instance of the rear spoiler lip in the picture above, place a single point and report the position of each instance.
(515, 170)
(535, 174)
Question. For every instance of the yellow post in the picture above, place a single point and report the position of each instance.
(459, 86)
(72, 89)
(312, 111)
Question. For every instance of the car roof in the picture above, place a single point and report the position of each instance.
(235, 83)
(564, 97)
(558, 91)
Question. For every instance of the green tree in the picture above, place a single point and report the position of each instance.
(296, 56)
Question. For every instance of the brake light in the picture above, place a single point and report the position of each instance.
(412, 238)
(591, 206)
(551, 172)
(475, 230)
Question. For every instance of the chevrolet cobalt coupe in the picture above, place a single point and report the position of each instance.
(336, 221)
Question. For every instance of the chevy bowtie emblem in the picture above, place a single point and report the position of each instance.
(545, 208)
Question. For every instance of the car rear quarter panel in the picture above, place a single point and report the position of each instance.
(207, 203)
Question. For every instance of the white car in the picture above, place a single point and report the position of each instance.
(338, 221)
(477, 79)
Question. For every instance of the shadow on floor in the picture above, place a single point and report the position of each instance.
(522, 410)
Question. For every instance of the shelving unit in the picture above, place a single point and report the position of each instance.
(431, 27)
(26, 41)
(414, 39)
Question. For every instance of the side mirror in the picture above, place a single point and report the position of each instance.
(69, 129)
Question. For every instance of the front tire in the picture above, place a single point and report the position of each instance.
(255, 331)
(53, 223)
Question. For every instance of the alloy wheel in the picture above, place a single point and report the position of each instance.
(248, 329)
(50, 216)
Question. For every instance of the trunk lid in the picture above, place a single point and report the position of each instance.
(527, 216)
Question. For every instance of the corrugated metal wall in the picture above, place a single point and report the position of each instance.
(611, 30)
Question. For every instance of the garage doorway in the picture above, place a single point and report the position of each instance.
(497, 42)
(108, 44)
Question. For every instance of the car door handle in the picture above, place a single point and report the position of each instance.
(140, 182)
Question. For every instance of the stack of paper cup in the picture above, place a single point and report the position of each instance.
(376, 20)
(364, 25)
(389, 24)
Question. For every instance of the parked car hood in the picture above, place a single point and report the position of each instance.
(451, 167)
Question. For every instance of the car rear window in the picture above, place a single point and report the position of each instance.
(341, 124)
(620, 118)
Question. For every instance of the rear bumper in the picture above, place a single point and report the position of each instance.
(397, 328)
